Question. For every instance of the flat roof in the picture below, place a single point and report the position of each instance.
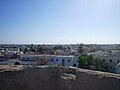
(48, 55)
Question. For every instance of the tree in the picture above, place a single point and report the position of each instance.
(68, 48)
(89, 62)
(42, 61)
(56, 47)
(26, 50)
(80, 49)
(40, 49)
(17, 63)
(83, 61)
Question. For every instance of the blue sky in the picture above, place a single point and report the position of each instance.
(59, 21)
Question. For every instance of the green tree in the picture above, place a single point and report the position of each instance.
(89, 62)
(42, 61)
(17, 63)
(40, 49)
(68, 48)
(80, 49)
(32, 49)
(98, 65)
(83, 61)
(26, 50)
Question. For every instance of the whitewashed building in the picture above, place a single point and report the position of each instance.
(52, 59)
(110, 58)
(111, 61)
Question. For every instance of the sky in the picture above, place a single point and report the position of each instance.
(59, 21)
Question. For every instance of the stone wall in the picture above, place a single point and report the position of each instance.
(55, 78)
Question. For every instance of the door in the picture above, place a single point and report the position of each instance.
(63, 62)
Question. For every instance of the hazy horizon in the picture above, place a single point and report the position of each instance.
(59, 43)
(59, 21)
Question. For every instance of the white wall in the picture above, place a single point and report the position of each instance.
(108, 58)
(68, 60)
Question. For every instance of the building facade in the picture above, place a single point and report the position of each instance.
(110, 61)
(50, 59)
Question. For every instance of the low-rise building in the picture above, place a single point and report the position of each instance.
(109, 58)
(51, 59)
(110, 61)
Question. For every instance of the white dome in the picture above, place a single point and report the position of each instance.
(117, 69)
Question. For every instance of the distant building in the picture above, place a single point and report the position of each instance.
(111, 57)
(110, 61)
(52, 59)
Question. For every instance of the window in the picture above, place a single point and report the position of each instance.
(118, 61)
(103, 60)
(27, 58)
(69, 60)
(51, 60)
(23, 58)
(57, 60)
(63, 62)
(74, 65)
(110, 60)
(110, 67)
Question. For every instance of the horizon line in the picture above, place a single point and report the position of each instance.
(57, 43)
